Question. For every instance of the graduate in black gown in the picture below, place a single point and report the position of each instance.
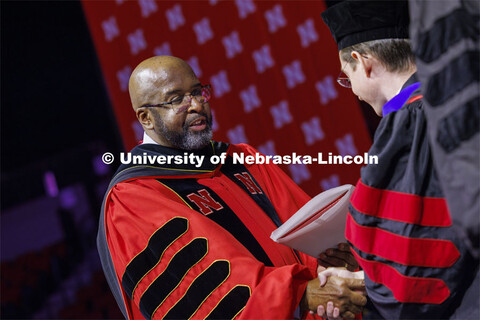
(415, 263)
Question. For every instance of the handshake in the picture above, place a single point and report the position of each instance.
(336, 293)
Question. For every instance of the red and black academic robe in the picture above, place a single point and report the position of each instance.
(399, 225)
(177, 241)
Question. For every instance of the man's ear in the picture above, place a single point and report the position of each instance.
(145, 118)
(364, 62)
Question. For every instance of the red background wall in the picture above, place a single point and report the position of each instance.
(272, 66)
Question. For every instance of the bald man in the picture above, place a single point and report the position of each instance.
(159, 79)
(191, 238)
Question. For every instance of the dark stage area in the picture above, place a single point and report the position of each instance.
(56, 120)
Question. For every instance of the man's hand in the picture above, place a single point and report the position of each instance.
(340, 291)
(331, 312)
(341, 257)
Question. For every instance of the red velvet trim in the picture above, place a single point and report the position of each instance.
(434, 253)
(405, 289)
(414, 98)
(403, 207)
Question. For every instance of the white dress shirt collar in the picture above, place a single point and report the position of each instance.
(147, 139)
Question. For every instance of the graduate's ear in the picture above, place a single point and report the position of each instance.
(145, 117)
(364, 62)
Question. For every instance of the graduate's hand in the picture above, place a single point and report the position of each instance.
(341, 257)
(331, 313)
(338, 272)
(341, 294)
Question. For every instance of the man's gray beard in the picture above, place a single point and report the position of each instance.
(186, 140)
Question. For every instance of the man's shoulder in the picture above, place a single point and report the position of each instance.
(402, 124)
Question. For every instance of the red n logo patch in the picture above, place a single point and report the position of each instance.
(204, 202)
(247, 180)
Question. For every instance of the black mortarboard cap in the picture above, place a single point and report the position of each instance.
(356, 21)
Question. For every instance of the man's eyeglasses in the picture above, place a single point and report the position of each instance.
(343, 80)
(183, 102)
